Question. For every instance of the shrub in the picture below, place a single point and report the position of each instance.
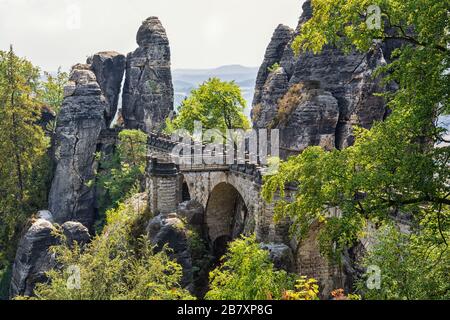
(114, 266)
(288, 103)
(248, 274)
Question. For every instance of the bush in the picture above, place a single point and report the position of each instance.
(411, 267)
(248, 274)
(288, 103)
(120, 175)
(114, 266)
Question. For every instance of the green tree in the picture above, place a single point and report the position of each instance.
(52, 94)
(119, 264)
(122, 173)
(22, 149)
(410, 267)
(215, 104)
(248, 274)
(394, 168)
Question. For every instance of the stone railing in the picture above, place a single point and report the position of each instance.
(164, 143)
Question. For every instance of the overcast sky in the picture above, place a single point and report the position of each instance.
(202, 33)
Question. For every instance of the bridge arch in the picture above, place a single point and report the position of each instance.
(226, 215)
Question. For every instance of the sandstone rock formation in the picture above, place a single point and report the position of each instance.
(193, 212)
(347, 77)
(80, 122)
(33, 258)
(274, 53)
(281, 256)
(148, 89)
(89, 106)
(312, 120)
(169, 229)
(109, 68)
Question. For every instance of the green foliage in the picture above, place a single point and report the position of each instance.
(202, 259)
(52, 93)
(120, 175)
(216, 104)
(274, 67)
(115, 266)
(393, 168)
(248, 274)
(24, 163)
(305, 289)
(410, 268)
(5, 281)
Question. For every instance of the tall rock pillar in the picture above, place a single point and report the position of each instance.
(148, 89)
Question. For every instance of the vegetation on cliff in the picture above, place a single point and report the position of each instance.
(247, 273)
(121, 173)
(393, 170)
(117, 264)
(25, 165)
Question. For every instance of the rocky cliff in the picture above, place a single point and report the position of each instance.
(345, 78)
(79, 124)
(148, 89)
(109, 68)
(33, 258)
(89, 107)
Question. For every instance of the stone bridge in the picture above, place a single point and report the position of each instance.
(232, 204)
(230, 194)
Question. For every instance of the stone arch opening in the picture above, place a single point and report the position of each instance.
(226, 215)
(185, 194)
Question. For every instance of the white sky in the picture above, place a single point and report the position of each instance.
(202, 33)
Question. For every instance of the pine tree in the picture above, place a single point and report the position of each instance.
(22, 148)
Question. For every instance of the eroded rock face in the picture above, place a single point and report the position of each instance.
(312, 122)
(109, 68)
(193, 212)
(168, 229)
(263, 113)
(90, 103)
(277, 47)
(80, 122)
(33, 258)
(347, 77)
(281, 256)
(148, 89)
(75, 232)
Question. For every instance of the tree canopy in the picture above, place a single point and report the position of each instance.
(394, 170)
(215, 104)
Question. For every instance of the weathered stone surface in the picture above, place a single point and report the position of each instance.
(109, 68)
(148, 89)
(79, 125)
(33, 258)
(312, 122)
(192, 211)
(168, 229)
(45, 215)
(281, 255)
(276, 86)
(75, 232)
(277, 46)
(347, 77)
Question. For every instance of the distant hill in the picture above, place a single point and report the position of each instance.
(184, 80)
